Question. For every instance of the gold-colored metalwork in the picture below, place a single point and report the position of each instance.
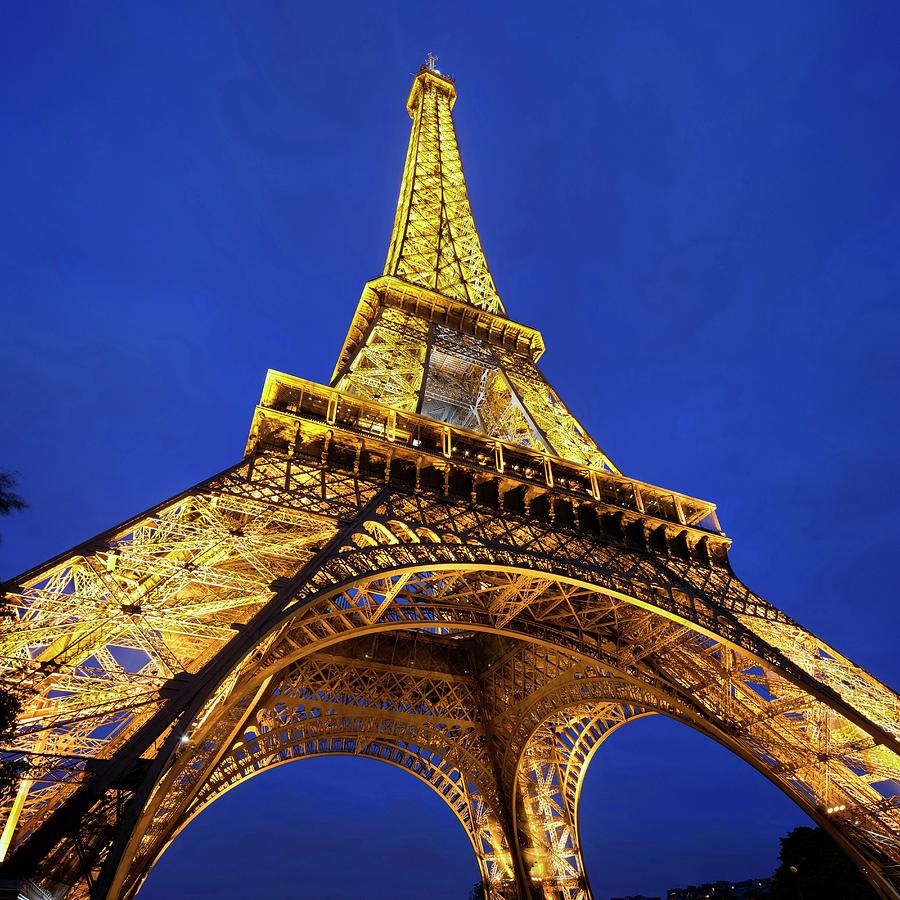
(435, 243)
(429, 562)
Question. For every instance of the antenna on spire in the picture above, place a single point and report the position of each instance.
(431, 63)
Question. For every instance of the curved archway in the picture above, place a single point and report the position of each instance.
(438, 761)
(566, 726)
(662, 806)
(337, 827)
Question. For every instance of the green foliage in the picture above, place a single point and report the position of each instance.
(477, 892)
(813, 867)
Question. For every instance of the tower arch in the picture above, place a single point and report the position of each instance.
(350, 820)
(565, 733)
(445, 776)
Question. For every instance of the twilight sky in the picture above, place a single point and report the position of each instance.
(698, 205)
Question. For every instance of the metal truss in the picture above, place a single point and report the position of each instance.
(435, 243)
(428, 563)
(412, 363)
(389, 368)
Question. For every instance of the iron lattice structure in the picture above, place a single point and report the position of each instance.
(428, 562)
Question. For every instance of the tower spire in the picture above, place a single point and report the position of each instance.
(434, 242)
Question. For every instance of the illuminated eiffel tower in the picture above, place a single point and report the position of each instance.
(429, 562)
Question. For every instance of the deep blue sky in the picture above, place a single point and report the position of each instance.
(700, 208)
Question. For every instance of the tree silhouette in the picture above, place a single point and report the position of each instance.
(813, 867)
(10, 502)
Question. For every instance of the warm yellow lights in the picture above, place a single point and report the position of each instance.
(429, 563)
(434, 242)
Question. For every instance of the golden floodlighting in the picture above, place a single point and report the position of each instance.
(429, 562)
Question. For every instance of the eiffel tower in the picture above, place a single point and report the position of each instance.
(429, 562)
